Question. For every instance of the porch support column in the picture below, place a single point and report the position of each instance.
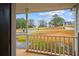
(77, 30)
(26, 12)
(77, 12)
(13, 29)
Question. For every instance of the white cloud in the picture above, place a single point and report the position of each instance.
(52, 13)
(57, 12)
(44, 14)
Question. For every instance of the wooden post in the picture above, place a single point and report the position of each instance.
(26, 12)
(78, 44)
(77, 40)
(76, 30)
(13, 29)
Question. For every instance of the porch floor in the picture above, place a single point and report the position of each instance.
(22, 52)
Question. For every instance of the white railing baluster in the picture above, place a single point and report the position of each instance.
(37, 42)
(40, 42)
(34, 42)
(68, 46)
(51, 44)
(73, 46)
(59, 39)
(31, 41)
(47, 44)
(44, 44)
(63, 45)
(28, 42)
(55, 45)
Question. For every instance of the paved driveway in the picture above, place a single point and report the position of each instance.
(22, 45)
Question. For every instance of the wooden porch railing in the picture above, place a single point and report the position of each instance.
(52, 45)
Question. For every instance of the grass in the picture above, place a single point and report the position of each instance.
(20, 38)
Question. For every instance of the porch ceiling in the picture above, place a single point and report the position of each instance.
(39, 7)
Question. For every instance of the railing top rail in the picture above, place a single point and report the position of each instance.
(54, 36)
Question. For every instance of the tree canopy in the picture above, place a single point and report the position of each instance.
(57, 20)
(20, 23)
(31, 23)
(42, 23)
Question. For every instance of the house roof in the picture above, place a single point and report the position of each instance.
(39, 7)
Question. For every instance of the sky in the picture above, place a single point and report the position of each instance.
(47, 16)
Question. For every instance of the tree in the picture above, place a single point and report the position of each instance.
(57, 20)
(50, 24)
(42, 23)
(17, 24)
(31, 23)
(20, 23)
